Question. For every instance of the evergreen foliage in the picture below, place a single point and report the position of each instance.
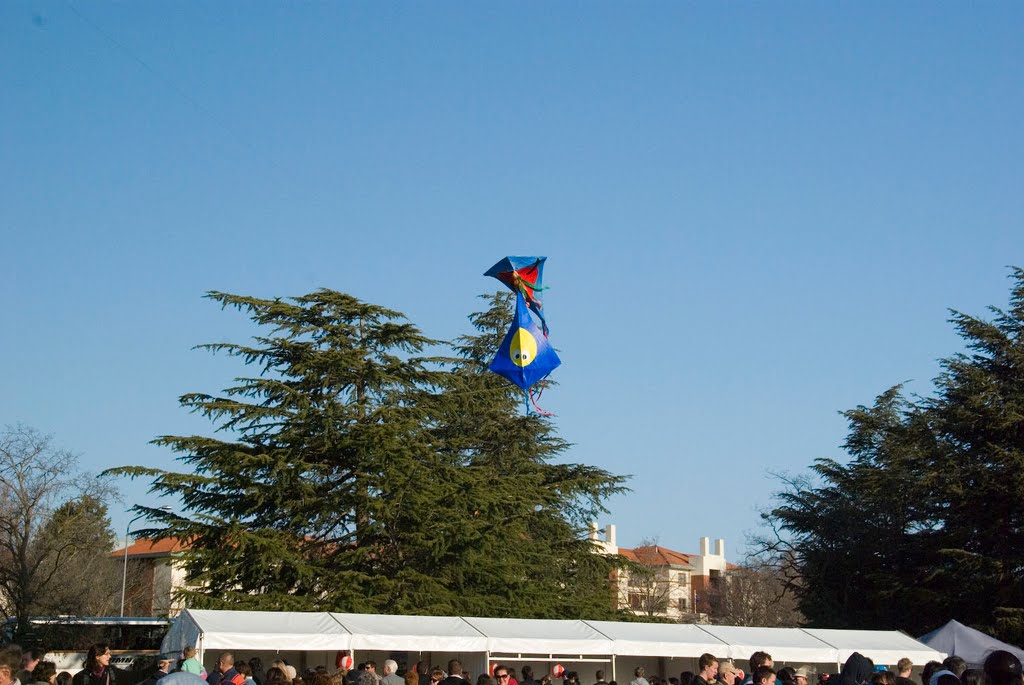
(356, 474)
(926, 522)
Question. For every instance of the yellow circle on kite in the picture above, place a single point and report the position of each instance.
(523, 348)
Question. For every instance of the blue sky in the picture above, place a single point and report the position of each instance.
(755, 214)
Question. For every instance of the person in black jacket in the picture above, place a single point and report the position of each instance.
(903, 669)
(98, 670)
(527, 678)
(455, 676)
(857, 670)
(707, 673)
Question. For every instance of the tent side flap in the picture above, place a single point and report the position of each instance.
(183, 633)
(274, 642)
(418, 643)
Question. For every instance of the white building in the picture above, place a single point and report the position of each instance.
(673, 585)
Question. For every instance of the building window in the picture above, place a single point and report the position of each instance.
(716, 578)
(684, 604)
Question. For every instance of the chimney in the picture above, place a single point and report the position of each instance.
(720, 548)
(592, 534)
(609, 534)
(705, 547)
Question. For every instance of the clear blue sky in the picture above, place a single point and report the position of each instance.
(755, 214)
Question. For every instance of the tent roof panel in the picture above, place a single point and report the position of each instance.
(884, 647)
(547, 636)
(414, 633)
(784, 644)
(658, 639)
(278, 630)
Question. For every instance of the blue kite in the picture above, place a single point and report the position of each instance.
(525, 356)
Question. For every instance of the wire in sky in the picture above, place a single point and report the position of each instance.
(158, 76)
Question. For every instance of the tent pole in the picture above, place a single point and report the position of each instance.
(614, 677)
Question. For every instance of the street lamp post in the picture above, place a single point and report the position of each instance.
(124, 575)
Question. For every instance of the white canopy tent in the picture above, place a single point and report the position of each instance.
(527, 640)
(967, 643)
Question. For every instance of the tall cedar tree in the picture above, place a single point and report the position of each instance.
(365, 477)
(926, 522)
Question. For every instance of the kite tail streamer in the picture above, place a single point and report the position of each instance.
(534, 401)
(543, 322)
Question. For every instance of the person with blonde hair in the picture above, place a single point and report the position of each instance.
(190, 664)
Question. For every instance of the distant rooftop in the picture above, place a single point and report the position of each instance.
(655, 555)
(145, 547)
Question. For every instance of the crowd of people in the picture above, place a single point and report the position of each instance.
(28, 667)
(1000, 668)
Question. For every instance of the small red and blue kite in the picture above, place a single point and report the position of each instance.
(525, 356)
(523, 275)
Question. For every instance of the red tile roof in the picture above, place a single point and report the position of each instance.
(653, 555)
(147, 547)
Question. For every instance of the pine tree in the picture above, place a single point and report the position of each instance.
(530, 546)
(926, 522)
(363, 476)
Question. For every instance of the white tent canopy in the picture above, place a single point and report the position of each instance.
(258, 630)
(790, 645)
(884, 647)
(541, 636)
(967, 643)
(411, 633)
(322, 631)
(659, 639)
